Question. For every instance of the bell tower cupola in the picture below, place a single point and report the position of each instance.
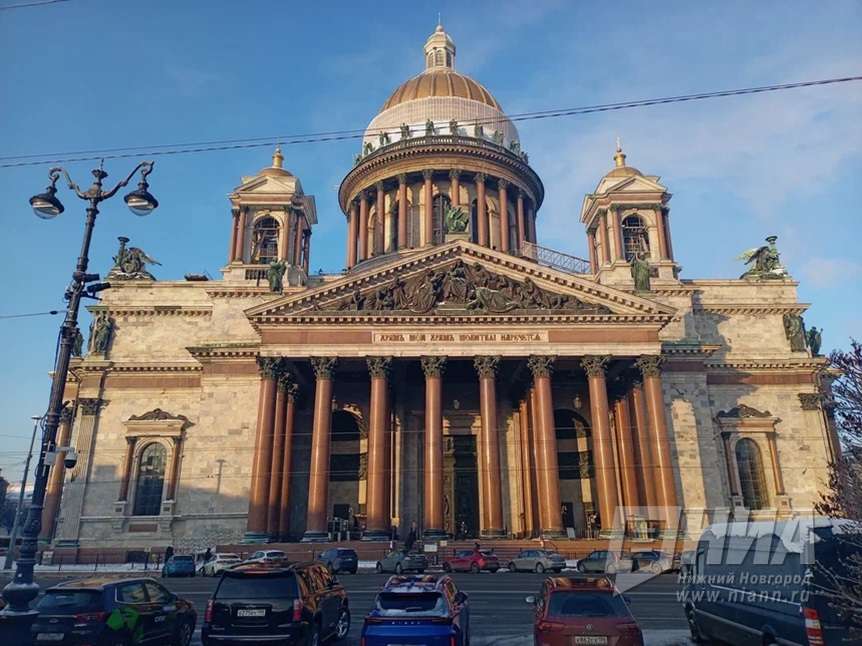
(271, 222)
(439, 50)
(627, 219)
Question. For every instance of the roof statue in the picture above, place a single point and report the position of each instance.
(130, 264)
(764, 260)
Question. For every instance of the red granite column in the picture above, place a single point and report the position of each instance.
(290, 393)
(625, 444)
(428, 211)
(352, 223)
(240, 236)
(402, 211)
(481, 211)
(379, 245)
(527, 468)
(54, 490)
(603, 457)
(377, 500)
(257, 500)
(503, 198)
(591, 243)
(650, 366)
(433, 481)
(234, 224)
(645, 451)
(549, 477)
(318, 478)
(276, 467)
(519, 204)
(607, 252)
(489, 468)
(455, 188)
(531, 218)
(363, 226)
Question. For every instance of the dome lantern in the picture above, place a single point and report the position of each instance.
(439, 50)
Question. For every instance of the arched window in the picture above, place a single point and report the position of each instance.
(635, 238)
(438, 57)
(372, 226)
(751, 478)
(414, 225)
(574, 463)
(393, 226)
(474, 221)
(264, 241)
(439, 206)
(344, 459)
(513, 232)
(150, 480)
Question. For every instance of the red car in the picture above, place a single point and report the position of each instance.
(472, 561)
(583, 610)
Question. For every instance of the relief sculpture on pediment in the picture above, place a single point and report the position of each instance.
(463, 287)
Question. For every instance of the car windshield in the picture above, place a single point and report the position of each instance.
(70, 601)
(464, 554)
(422, 604)
(257, 587)
(275, 554)
(586, 604)
(487, 553)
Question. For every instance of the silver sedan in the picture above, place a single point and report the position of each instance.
(537, 561)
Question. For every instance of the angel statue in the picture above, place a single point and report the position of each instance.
(456, 220)
(815, 339)
(641, 272)
(275, 276)
(130, 263)
(764, 260)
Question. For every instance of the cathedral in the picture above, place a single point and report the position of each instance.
(456, 374)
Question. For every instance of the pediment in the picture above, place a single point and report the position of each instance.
(267, 184)
(459, 281)
(632, 184)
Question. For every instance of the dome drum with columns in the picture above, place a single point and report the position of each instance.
(440, 143)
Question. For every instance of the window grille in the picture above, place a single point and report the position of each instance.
(150, 480)
(751, 478)
(635, 237)
(265, 241)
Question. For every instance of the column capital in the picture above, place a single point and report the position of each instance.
(379, 185)
(541, 365)
(454, 173)
(324, 367)
(594, 365)
(427, 174)
(131, 440)
(285, 380)
(369, 194)
(362, 196)
(90, 405)
(520, 193)
(270, 367)
(810, 401)
(481, 177)
(402, 178)
(486, 366)
(502, 183)
(433, 366)
(649, 365)
(379, 366)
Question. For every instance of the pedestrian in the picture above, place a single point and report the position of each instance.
(411, 537)
(169, 552)
(208, 555)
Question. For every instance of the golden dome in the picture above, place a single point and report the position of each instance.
(441, 81)
(620, 169)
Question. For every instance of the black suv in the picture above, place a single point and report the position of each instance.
(112, 612)
(340, 559)
(259, 603)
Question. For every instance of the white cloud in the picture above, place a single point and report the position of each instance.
(824, 273)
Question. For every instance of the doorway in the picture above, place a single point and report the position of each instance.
(461, 487)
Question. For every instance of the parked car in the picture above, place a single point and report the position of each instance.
(761, 582)
(605, 561)
(272, 557)
(218, 562)
(260, 603)
(537, 561)
(418, 609)
(651, 561)
(113, 611)
(340, 559)
(399, 561)
(586, 610)
(472, 561)
(180, 565)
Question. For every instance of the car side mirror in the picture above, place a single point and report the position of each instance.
(531, 599)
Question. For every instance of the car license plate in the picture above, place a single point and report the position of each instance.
(251, 612)
(49, 637)
(591, 640)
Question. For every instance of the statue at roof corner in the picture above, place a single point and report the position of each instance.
(815, 339)
(479, 131)
(429, 128)
(453, 127)
(368, 148)
(78, 343)
(641, 272)
(130, 264)
(497, 137)
(766, 261)
(405, 131)
(275, 276)
(383, 138)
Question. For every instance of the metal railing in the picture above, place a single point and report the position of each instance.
(555, 259)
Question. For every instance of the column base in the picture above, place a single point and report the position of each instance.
(492, 532)
(553, 534)
(379, 535)
(611, 533)
(434, 535)
(315, 537)
(255, 537)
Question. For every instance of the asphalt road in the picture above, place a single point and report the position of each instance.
(497, 604)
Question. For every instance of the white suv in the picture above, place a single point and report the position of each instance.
(220, 561)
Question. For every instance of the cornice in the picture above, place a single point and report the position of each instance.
(807, 364)
(113, 367)
(225, 351)
(227, 290)
(751, 308)
(153, 310)
(359, 318)
(689, 350)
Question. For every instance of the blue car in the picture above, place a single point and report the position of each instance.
(180, 565)
(426, 609)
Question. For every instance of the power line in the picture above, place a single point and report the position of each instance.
(24, 5)
(15, 161)
(21, 316)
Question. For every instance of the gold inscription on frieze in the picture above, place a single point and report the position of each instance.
(460, 337)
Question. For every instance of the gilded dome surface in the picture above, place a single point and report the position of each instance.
(441, 82)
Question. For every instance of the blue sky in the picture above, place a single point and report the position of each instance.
(101, 73)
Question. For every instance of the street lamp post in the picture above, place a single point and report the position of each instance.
(13, 535)
(16, 618)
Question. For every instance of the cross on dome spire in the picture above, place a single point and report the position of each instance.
(277, 158)
(620, 156)
(439, 49)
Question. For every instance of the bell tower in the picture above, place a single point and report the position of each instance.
(627, 216)
(271, 222)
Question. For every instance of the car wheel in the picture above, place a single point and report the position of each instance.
(540, 569)
(474, 568)
(185, 631)
(446, 566)
(696, 636)
(379, 568)
(511, 567)
(398, 568)
(342, 627)
(581, 568)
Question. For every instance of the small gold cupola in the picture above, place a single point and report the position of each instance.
(439, 50)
